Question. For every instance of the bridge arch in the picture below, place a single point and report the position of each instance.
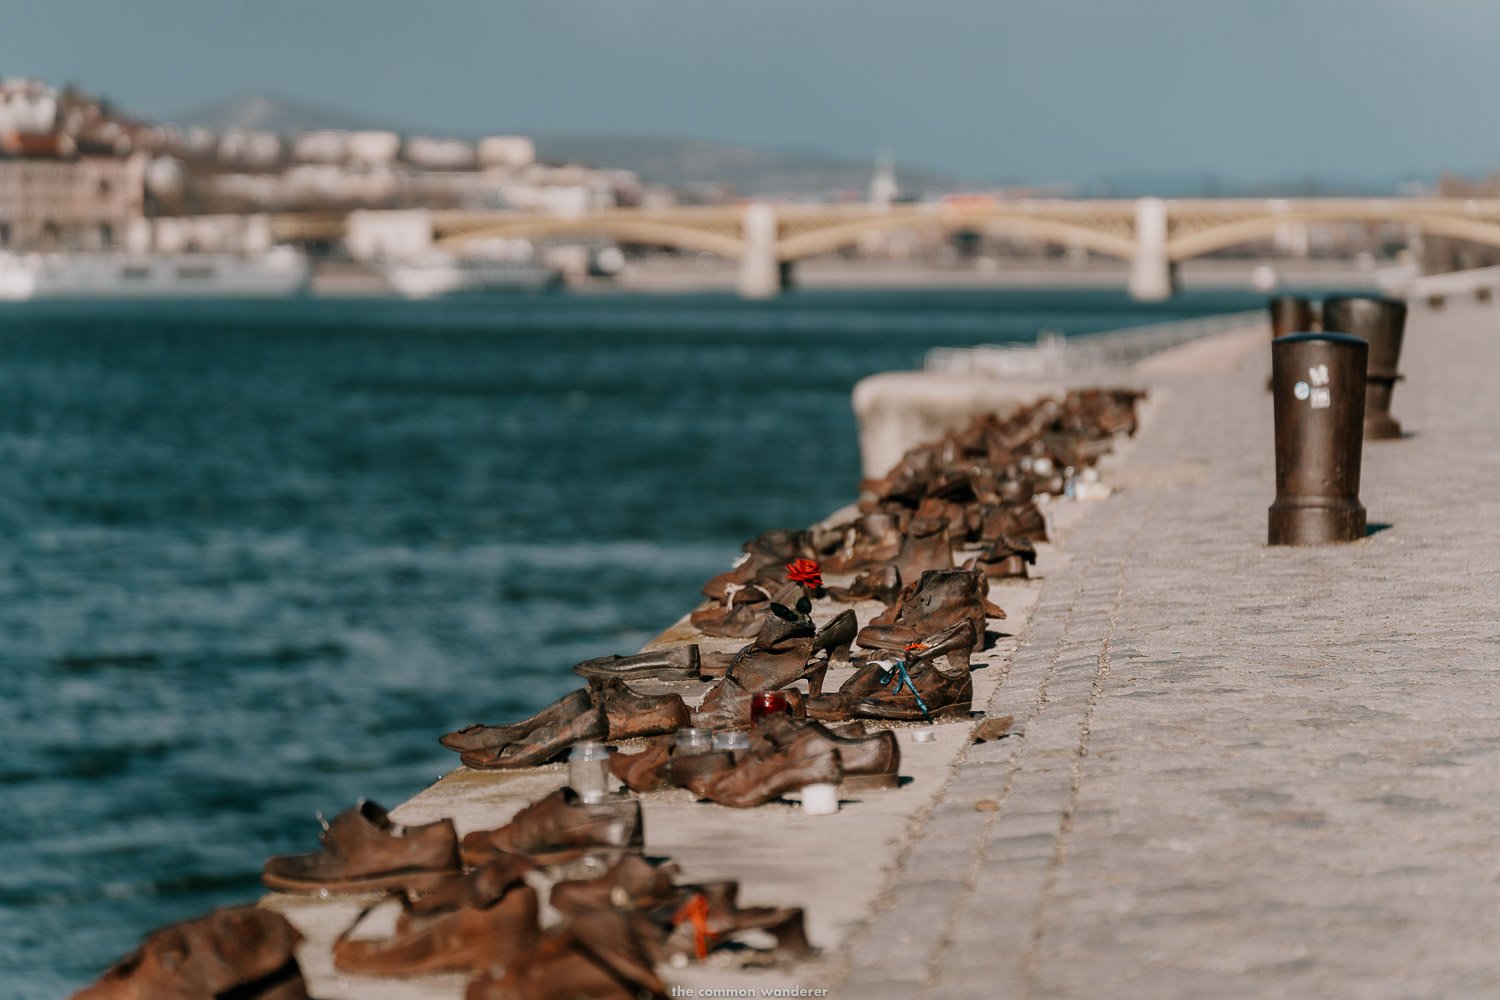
(830, 238)
(1230, 234)
(626, 230)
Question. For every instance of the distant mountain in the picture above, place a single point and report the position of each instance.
(271, 114)
(674, 162)
(752, 170)
(746, 169)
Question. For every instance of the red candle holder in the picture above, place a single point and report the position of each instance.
(764, 703)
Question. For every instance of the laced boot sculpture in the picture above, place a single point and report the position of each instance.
(919, 691)
(952, 645)
(926, 547)
(939, 599)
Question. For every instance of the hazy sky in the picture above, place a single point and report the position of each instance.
(1041, 90)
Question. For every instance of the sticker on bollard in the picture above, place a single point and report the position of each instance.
(1318, 382)
(1382, 322)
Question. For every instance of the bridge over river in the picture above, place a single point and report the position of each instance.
(768, 239)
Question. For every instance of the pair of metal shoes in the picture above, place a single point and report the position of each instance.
(608, 709)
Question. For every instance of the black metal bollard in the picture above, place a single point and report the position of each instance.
(1289, 314)
(1381, 321)
(1318, 381)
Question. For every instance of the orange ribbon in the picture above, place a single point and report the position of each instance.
(915, 647)
(695, 910)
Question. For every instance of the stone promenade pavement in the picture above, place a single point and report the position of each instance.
(1245, 772)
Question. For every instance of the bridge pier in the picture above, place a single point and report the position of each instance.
(1153, 277)
(761, 271)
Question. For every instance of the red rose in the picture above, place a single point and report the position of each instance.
(805, 572)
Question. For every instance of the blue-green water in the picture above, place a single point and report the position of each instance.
(255, 557)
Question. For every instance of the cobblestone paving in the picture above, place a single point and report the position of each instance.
(1244, 772)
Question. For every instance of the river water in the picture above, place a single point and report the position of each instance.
(257, 556)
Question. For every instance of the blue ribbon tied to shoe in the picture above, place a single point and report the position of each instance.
(897, 672)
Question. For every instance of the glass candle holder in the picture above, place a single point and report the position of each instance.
(733, 741)
(588, 771)
(692, 741)
(764, 703)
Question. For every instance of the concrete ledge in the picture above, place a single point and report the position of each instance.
(900, 410)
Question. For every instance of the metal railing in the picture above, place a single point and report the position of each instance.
(1055, 354)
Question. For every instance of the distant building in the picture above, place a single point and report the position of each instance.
(322, 146)
(26, 106)
(506, 151)
(76, 175)
(373, 148)
(439, 154)
(54, 197)
(250, 148)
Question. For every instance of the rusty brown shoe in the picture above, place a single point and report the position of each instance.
(940, 599)
(929, 694)
(882, 584)
(871, 541)
(478, 887)
(761, 777)
(562, 827)
(476, 738)
(1022, 520)
(541, 745)
(738, 617)
(630, 714)
(727, 705)
(870, 761)
(1005, 558)
(365, 851)
(593, 955)
(787, 650)
(709, 915)
(645, 771)
(763, 563)
(677, 663)
(485, 937)
(927, 547)
(632, 883)
(245, 952)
